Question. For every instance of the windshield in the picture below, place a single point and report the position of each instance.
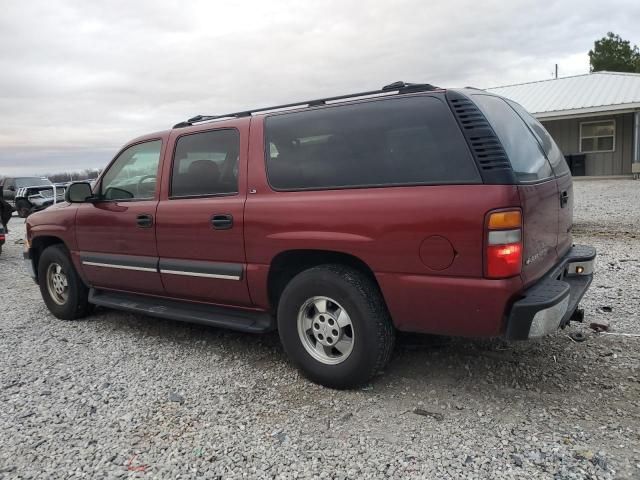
(31, 182)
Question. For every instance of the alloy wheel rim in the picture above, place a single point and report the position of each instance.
(57, 284)
(325, 330)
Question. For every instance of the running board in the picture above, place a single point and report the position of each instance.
(233, 319)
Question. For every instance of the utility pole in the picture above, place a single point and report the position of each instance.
(556, 71)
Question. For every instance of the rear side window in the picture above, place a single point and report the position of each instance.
(384, 142)
(525, 154)
(551, 149)
(206, 163)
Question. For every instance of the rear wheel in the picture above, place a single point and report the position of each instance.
(64, 293)
(23, 207)
(334, 326)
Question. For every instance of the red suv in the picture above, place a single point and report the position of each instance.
(337, 221)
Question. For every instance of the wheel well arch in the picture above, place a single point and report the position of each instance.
(289, 263)
(39, 244)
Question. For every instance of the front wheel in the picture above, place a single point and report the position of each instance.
(334, 326)
(64, 293)
(23, 207)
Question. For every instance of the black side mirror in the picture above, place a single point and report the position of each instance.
(78, 192)
(11, 188)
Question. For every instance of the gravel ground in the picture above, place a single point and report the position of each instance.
(124, 396)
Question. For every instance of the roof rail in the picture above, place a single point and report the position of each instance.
(399, 87)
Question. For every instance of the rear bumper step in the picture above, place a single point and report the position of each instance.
(233, 319)
(551, 302)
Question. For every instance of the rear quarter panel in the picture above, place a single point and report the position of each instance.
(385, 228)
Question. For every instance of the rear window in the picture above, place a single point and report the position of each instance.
(404, 141)
(551, 149)
(525, 154)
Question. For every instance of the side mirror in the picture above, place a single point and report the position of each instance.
(78, 192)
(11, 188)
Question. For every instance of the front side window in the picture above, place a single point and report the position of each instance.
(133, 175)
(407, 141)
(206, 164)
(527, 159)
(598, 136)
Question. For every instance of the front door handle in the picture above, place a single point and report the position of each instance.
(564, 199)
(222, 222)
(145, 220)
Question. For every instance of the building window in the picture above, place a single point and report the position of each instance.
(598, 136)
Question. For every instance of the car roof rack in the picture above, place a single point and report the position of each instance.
(399, 87)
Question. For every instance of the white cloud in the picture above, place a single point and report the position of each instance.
(81, 78)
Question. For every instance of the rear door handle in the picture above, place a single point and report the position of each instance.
(222, 222)
(145, 220)
(564, 199)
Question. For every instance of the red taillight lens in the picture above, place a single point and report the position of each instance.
(504, 260)
(504, 244)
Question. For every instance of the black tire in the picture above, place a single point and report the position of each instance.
(76, 304)
(373, 332)
(23, 208)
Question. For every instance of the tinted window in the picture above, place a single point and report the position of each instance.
(551, 149)
(134, 173)
(206, 163)
(385, 142)
(525, 154)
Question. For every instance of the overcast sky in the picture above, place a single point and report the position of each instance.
(78, 79)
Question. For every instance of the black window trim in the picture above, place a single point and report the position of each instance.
(98, 186)
(267, 152)
(206, 195)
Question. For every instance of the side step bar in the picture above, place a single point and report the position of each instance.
(244, 321)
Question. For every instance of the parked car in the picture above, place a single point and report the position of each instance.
(2, 237)
(31, 194)
(337, 221)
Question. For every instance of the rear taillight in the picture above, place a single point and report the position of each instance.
(504, 244)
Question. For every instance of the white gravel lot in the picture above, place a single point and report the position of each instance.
(124, 396)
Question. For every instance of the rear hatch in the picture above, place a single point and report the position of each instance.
(543, 179)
